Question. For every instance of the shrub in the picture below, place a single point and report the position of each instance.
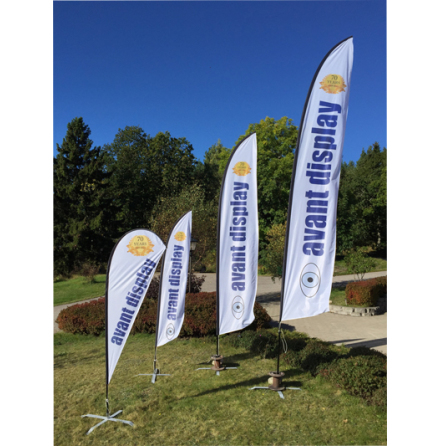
(379, 397)
(359, 263)
(89, 270)
(382, 282)
(264, 342)
(86, 318)
(358, 375)
(314, 354)
(365, 292)
(200, 316)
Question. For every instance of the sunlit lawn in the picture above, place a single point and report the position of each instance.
(77, 289)
(197, 407)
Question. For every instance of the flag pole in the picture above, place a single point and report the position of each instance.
(108, 417)
(156, 371)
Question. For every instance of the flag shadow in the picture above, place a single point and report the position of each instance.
(258, 381)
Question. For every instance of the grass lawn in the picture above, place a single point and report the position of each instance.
(197, 407)
(77, 289)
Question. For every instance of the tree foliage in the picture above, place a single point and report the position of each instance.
(144, 168)
(362, 203)
(168, 210)
(276, 142)
(273, 254)
(81, 201)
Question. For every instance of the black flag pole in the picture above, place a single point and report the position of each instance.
(108, 417)
(156, 371)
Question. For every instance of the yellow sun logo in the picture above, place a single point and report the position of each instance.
(140, 245)
(241, 169)
(180, 236)
(333, 84)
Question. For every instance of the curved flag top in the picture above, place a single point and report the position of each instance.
(237, 239)
(309, 251)
(173, 282)
(131, 267)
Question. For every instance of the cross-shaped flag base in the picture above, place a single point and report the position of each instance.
(104, 419)
(154, 374)
(218, 366)
(277, 384)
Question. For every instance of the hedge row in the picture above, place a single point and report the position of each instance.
(366, 292)
(200, 317)
(359, 370)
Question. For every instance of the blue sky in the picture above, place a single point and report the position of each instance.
(206, 70)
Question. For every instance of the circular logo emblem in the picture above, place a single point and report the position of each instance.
(140, 245)
(310, 280)
(333, 84)
(238, 307)
(170, 331)
(180, 236)
(241, 169)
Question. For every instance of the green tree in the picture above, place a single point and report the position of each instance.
(362, 203)
(81, 202)
(276, 141)
(272, 256)
(169, 209)
(144, 168)
(210, 172)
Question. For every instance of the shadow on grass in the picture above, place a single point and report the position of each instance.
(258, 381)
(370, 344)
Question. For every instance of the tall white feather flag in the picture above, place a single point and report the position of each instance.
(237, 239)
(131, 267)
(310, 244)
(173, 282)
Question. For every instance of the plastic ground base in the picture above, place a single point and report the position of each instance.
(277, 384)
(105, 419)
(217, 366)
(154, 375)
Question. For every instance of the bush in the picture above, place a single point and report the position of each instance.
(264, 342)
(379, 397)
(89, 270)
(361, 376)
(359, 263)
(365, 292)
(314, 354)
(200, 316)
(86, 318)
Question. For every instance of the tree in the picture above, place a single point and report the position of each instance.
(81, 201)
(273, 255)
(362, 202)
(168, 210)
(276, 142)
(145, 168)
(210, 172)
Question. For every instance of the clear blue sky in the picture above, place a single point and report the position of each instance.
(206, 70)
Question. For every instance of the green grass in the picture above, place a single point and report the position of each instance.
(78, 289)
(197, 407)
